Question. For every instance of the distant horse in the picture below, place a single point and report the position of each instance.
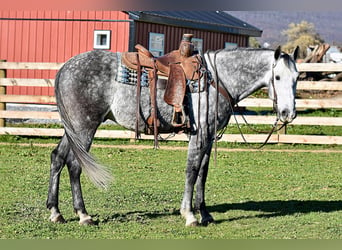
(88, 93)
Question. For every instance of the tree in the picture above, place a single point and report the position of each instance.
(303, 35)
(253, 42)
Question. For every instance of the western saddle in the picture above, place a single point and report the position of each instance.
(178, 67)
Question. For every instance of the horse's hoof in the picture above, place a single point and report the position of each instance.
(191, 220)
(58, 219)
(192, 224)
(87, 222)
(208, 221)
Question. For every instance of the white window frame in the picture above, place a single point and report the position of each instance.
(97, 39)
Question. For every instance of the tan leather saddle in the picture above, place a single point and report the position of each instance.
(189, 64)
(178, 66)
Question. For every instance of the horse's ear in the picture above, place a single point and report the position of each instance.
(295, 53)
(277, 53)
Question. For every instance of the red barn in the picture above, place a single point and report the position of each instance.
(55, 36)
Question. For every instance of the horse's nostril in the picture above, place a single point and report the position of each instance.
(285, 113)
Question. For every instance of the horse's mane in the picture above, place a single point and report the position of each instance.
(247, 49)
(238, 49)
(285, 56)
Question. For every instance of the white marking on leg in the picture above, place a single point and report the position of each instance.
(85, 219)
(190, 219)
(56, 216)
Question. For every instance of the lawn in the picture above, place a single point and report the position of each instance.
(289, 194)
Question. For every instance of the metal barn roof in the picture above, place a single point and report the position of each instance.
(218, 21)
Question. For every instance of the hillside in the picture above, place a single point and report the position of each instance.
(328, 23)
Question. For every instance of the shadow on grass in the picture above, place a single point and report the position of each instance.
(277, 208)
(139, 216)
(266, 209)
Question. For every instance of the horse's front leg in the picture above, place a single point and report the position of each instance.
(200, 206)
(191, 174)
(197, 166)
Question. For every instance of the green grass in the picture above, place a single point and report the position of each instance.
(262, 195)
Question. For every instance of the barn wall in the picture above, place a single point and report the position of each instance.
(56, 36)
(173, 35)
(51, 40)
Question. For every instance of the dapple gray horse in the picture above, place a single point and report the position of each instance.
(87, 94)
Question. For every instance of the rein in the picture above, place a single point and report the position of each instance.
(225, 93)
(274, 127)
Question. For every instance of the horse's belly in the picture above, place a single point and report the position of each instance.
(124, 108)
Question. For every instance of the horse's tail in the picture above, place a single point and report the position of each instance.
(97, 173)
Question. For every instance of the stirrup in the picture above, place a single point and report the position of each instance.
(178, 117)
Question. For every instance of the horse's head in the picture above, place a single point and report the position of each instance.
(283, 83)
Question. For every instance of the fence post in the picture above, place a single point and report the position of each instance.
(281, 131)
(2, 92)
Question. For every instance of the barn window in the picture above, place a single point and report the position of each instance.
(228, 45)
(198, 44)
(102, 39)
(156, 44)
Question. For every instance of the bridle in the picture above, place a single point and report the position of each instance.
(275, 96)
(215, 82)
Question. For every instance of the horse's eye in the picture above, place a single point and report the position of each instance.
(277, 78)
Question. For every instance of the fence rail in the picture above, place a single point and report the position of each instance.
(248, 102)
(302, 85)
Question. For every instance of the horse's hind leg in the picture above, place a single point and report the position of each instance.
(58, 159)
(75, 171)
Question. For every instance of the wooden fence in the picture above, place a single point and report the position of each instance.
(301, 104)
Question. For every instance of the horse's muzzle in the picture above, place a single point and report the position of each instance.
(287, 116)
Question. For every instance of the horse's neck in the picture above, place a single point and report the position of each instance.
(244, 72)
(250, 87)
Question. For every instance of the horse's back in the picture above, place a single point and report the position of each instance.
(84, 85)
(87, 69)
